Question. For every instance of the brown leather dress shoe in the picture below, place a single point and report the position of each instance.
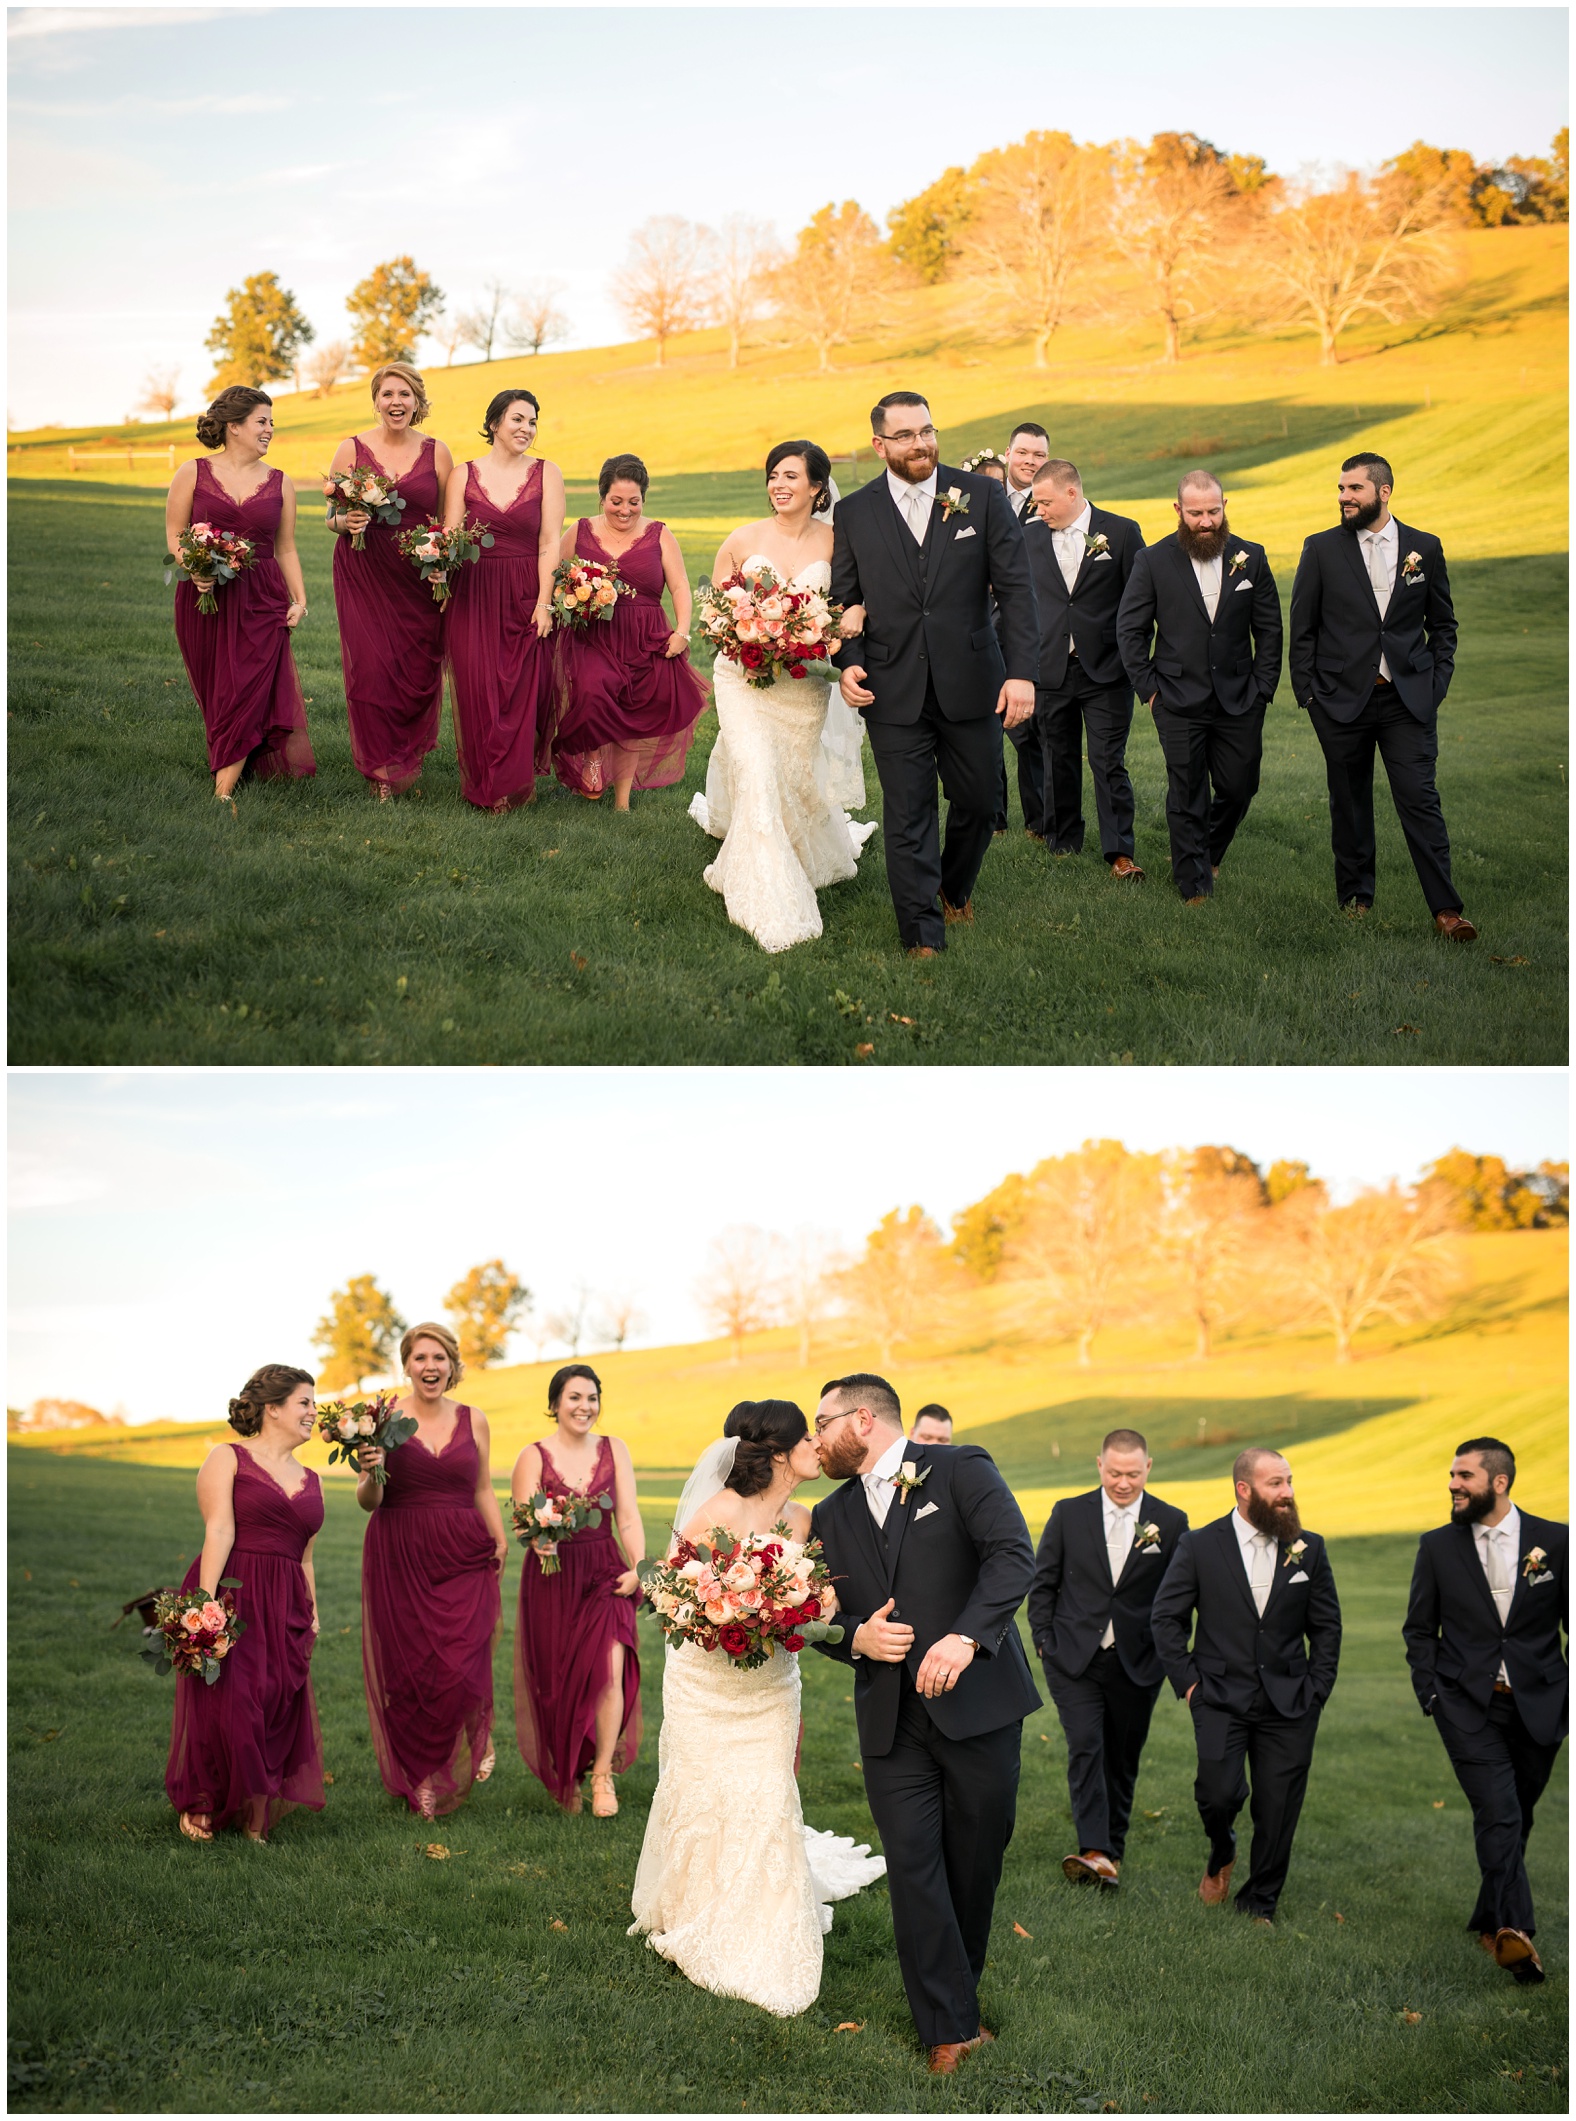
(945, 2058)
(1201, 899)
(1124, 865)
(1093, 1867)
(1486, 1941)
(1214, 1886)
(951, 913)
(922, 950)
(1040, 836)
(1455, 927)
(1513, 1951)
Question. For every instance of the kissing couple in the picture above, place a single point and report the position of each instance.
(930, 1558)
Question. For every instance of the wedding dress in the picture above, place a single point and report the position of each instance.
(776, 788)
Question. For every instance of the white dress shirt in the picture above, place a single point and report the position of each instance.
(1381, 551)
(1501, 1543)
(913, 502)
(1208, 572)
(1018, 497)
(880, 1481)
(1121, 1520)
(1069, 545)
(1259, 1553)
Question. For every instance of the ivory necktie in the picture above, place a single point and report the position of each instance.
(1118, 1545)
(1069, 555)
(1499, 1574)
(1263, 1570)
(913, 502)
(1378, 575)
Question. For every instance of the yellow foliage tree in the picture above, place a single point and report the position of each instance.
(1386, 1254)
(1367, 247)
(906, 1285)
(484, 1310)
(836, 269)
(358, 1336)
(1087, 1250)
(1213, 1233)
(1040, 223)
(390, 309)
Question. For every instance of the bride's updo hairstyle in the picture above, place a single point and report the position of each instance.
(617, 468)
(270, 1386)
(559, 1378)
(229, 409)
(765, 1429)
(818, 470)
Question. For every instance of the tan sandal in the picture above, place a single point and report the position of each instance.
(190, 1828)
(489, 1762)
(604, 1804)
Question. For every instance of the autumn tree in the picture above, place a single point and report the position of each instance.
(329, 366)
(484, 1310)
(925, 234)
(1178, 209)
(570, 1322)
(1385, 1255)
(1039, 226)
(809, 1292)
(449, 333)
(618, 1316)
(738, 1291)
(536, 320)
(1085, 1253)
(744, 255)
(482, 326)
(258, 334)
(160, 394)
(1489, 1195)
(359, 1334)
(664, 285)
(1213, 1234)
(1375, 247)
(982, 1231)
(905, 1284)
(390, 310)
(1286, 1177)
(1448, 172)
(836, 270)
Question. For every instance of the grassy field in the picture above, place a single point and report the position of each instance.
(1369, 1441)
(316, 927)
(342, 1969)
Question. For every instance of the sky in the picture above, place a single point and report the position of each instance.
(160, 155)
(169, 1230)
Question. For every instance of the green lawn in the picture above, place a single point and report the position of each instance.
(339, 1969)
(149, 926)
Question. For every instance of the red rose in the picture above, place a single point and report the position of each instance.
(796, 670)
(811, 1609)
(750, 656)
(793, 1642)
(734, 1640)
(768, 1555)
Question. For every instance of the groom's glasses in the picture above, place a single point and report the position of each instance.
(910, 434)
(825, 1421)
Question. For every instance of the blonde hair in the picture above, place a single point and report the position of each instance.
(445, 1340)
(406, 374)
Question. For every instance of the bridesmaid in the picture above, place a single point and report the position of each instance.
(430, 1605)
(248, 1748)
(626, 698)
(238, 658)
(500, 613)
(576, 1672)
(390, 630)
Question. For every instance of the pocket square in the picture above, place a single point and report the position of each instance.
(962, 534)
(1534, 1581)
(1243, 585)
(1099, 556)
(1300, 1577)
(930, 1508)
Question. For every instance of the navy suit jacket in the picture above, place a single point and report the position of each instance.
(1174, 650)
(1455, 1643)
(1292, 1650)
(1337, 635)
(1089, 613)
(1073, 1596)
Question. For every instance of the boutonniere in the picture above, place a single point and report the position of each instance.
(1145, 1535)
(908, 1477)
(1239, 560)
(1294, 1553)
(1533, 1561)
(954, 502)
(1098, 548)
(1412, 567)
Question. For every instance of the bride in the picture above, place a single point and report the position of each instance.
(732, 1885)
(785, 762)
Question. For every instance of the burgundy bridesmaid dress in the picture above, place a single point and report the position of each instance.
(248, 1748)
(430, 1607)
(620, 701)
(498, 665)
(238, 657)
(568, 1625)
(391, 636)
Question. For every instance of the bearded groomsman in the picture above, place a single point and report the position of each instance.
(1082, 559)
(1027, 449)
(1200, 634)
(1100, 1563)
(1489, 1602)
(1260, 1670)
(1373, 645)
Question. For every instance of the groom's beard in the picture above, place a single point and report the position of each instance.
(1362, 516)
(843, 1457)
(1203, 544)
(1469, 1509)
(1277, 1520)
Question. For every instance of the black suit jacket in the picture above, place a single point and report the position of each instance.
(1337, 634)
(1089, 614)
(1073, 1596)
(956, 1557)
(1454, 1641)
(1172, 648)
(928, 607)
(1292, 1651)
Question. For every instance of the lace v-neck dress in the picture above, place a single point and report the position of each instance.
(390, 635)
(498, 664)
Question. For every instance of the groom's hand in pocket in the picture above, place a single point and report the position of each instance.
(853, 691)
(943, 1664)
(887, 1641)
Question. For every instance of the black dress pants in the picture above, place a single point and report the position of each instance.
(1503, 1771)
(1025, 741)
(910, 756)
(944, 1808)
(1065, 716)
(1410, 750)
(1105, 1720)
(1212, 775)
(1278, 1750)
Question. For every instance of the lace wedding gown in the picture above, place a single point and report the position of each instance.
(780, 773)
(732, 1886)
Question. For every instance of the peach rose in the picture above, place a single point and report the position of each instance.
(192, 1622)
(347, 1427)
(213, 1615)
(221, 1648)
(366, 1426)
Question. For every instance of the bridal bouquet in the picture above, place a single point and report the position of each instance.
(584, 590)
(373, 491)
(545, 1519)
(439, 554)
(196, 1630)
(210, 558)
(742, 1595)
(377, 1421)
(766, 628)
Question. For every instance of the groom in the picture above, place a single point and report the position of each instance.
(931, 1558)
(924, 548)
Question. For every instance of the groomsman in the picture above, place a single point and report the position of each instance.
(1261, 1668)
(1200, 634)
(1100, 1563)
(1373, 645)
(1027, 449)
(931, 1424)
(1081, 558)
(1490, 1599)
(1028, 446)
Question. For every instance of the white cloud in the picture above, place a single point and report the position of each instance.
(75, 21)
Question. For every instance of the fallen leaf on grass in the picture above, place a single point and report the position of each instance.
(327, 1778)
(1018, 1930)
(1044, 1740)
(1406, 1031)
(901, 1019)
(578, 961)
(1439, 1804)
(1411, 2017)
(1156, 1815)
(863, 1052)
(437, 1851)
(850, 2025)
(1510, 961)
(1339, 1916)
(548, 853)
(561, 1927)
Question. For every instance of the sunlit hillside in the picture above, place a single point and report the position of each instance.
(1469, 404)
(1369, 1440)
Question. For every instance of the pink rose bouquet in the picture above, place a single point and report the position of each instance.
(438, 554)
(542, 1521)
(210, 558)
(374, 491)
(765, 628)
(196, 1630)
(347, 1428)
(585, 590)
(743, 1595)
